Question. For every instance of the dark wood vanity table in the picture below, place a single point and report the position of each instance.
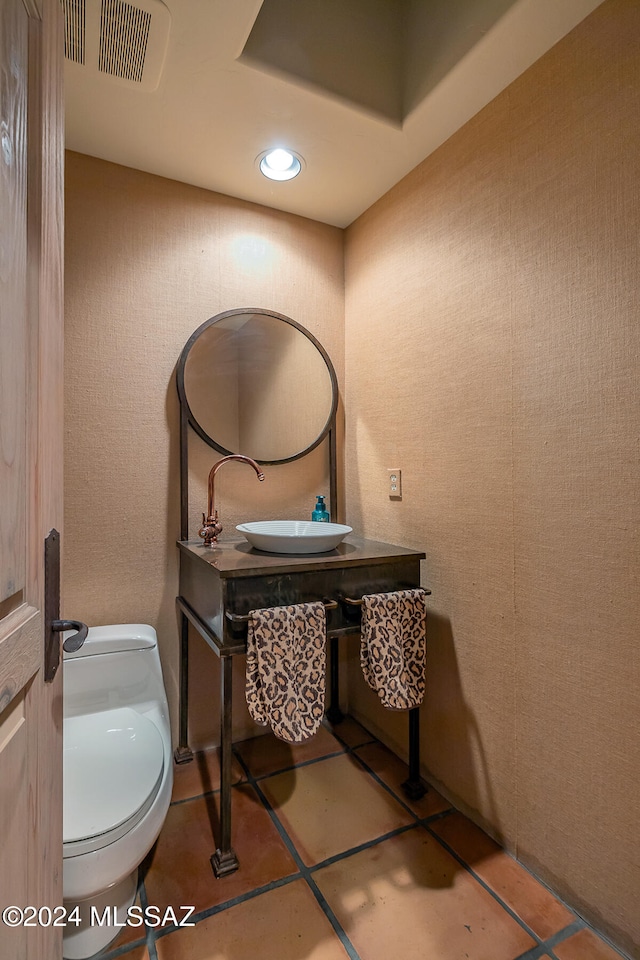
(237, 355)
(224, 582)
(219, 585)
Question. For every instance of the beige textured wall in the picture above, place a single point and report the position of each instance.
(147, 261)
(493, 354)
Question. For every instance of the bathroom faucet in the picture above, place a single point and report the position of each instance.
(211, 526)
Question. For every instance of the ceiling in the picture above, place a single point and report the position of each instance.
(363, 90)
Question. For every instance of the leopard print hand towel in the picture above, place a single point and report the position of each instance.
(393, 648)
(286, 666)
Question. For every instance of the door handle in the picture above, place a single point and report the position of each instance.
(52, 624)
(71, 644)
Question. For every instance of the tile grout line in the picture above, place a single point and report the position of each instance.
(262, 776)
(151, 936)
(145, 940)
(331, 728)
(305, 872)
(124, 950)
(546, 947)
(367, 845)
(351, 750)
(536, 951)
(396, 796)
(296, 766)
(561, 935)
(575, 927)
(541, 947)
(232, 902)
(539, 941)
(346, 748)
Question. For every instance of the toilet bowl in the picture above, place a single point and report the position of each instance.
(118, 777)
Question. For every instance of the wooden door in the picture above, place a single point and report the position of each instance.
(31, 311)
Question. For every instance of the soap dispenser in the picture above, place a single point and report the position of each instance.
(320, 513)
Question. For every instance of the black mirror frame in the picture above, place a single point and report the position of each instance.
(193, 423)
(187, 419)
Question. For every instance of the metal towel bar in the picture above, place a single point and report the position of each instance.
(328, 605)
(245, 617)
(358, 603)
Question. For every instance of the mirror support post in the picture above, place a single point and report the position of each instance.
(184, 473)
(333, 473)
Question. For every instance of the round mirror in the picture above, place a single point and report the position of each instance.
(257, 383)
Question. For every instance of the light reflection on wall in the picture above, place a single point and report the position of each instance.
(250, 250)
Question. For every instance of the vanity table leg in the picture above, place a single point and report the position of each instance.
(224, 860)
(414, 787)
(334, 713)
(183, 753)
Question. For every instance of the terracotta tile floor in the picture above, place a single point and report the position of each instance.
(335, 862)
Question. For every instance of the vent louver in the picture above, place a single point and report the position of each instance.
(74, 29)
(117, 40)
(124, 34)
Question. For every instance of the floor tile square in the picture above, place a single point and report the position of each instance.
(530, 900)
(394, 772)
(201, 775)
(585, 945)
(407, 897)
(283, 924)
(267, 754)
(179, 870)
(351, 732)
(330, 806)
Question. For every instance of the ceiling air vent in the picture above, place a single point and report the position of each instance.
(74, 29)
(118, 41)
(124, 34)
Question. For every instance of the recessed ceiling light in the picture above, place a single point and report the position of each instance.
(280, 164)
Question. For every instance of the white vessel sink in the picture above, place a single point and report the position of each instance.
(293, 536)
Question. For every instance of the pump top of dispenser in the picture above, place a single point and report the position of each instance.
(320, 512)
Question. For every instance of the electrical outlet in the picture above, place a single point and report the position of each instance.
(395, 483)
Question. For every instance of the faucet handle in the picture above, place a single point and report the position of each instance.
(210, 529)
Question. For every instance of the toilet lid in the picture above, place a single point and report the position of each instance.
(113, 763)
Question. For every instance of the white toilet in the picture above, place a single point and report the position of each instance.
(118, 777)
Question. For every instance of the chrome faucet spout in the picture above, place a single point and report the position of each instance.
(211, 527)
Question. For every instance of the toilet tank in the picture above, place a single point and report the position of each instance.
(118, 665)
